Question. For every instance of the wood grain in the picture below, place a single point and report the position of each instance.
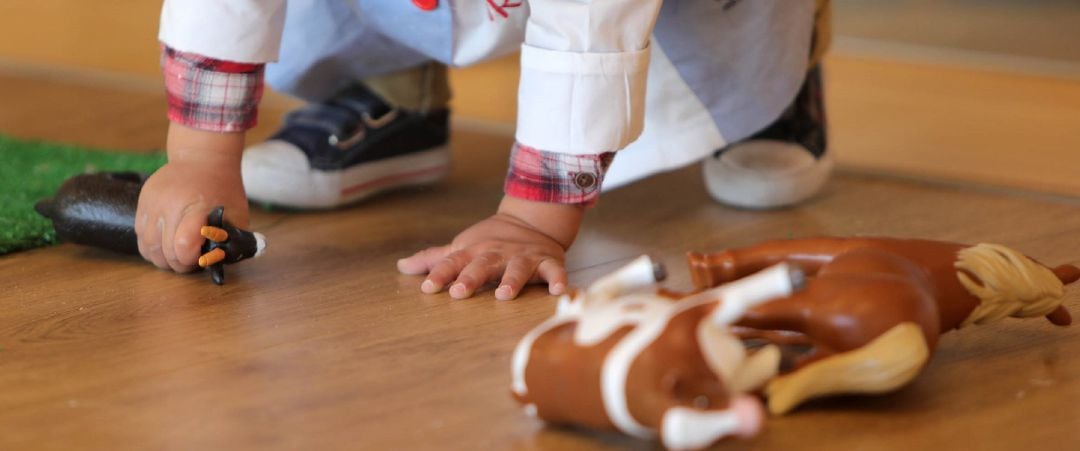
(321, 344)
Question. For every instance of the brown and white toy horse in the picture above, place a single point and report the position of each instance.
(873, 308)
(621, 356)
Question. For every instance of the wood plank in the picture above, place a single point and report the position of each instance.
(937, 121)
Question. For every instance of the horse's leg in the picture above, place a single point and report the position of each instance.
(809, 254)
(1066, 274)
(759, 367)
(882, 365)
(685, 427)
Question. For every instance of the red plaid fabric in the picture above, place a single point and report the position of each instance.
(210, 94)
(556, 177)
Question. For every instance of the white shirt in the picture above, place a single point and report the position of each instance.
(583, 62)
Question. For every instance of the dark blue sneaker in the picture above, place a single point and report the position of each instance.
(347, 149)
(782, 165)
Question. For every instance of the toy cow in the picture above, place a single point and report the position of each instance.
(99, 210)
(621, 356)
(873, 308)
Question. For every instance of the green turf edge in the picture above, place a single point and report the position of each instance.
(33, 170)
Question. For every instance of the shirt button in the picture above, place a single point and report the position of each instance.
(585, 180)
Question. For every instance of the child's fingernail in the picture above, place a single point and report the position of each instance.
(429, 287)
(504, 293)
(558, 288)
(457, 291)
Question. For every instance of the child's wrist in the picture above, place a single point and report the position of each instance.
(558, 221)
(190, 145)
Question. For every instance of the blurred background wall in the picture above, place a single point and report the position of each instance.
(118, 37)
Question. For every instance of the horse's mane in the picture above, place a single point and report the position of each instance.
(1007, 282)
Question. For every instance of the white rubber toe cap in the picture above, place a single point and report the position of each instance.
(275, 155)
(278, 172)
(763, 174)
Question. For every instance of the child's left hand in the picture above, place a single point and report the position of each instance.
(524, 242)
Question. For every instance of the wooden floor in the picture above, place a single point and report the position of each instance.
(321, 344)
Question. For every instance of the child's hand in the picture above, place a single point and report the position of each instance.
(524, 242)
(175, 200)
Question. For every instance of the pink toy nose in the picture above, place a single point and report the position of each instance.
(750, 415)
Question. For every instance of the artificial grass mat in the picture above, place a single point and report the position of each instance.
(33, 170)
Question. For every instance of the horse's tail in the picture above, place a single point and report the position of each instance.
(1008, 283)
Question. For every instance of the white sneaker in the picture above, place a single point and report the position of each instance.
(782, 165)
(347, 149)
(763, 174)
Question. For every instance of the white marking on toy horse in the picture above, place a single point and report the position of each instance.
(725, 355)
(738, 296)
(520, 358)
(640, 273)
(617, 364)
(722, 351)
(597, 316)
(597, 323)
(568, 306)
(685, 428)
(770, 283)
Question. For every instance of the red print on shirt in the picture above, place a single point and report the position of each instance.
(426, 5)
(500, 8)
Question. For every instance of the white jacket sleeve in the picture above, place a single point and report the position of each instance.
(583, 73)
(246, 31)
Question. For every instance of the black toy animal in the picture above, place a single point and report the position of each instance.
(99, 210)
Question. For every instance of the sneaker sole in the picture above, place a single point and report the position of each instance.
(765, 174)
(295, 186)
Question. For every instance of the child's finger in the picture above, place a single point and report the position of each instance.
(480, 270)
(422, 262)
(518, 272)
(444, 271)
(554, 273)
(150, 242)
(168, 246)
(187, 241)
(172, 235)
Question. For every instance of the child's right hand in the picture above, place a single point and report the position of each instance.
(203, 172)
(525, 241)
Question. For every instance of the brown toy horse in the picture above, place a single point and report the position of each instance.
(873, 308)
(621, 356)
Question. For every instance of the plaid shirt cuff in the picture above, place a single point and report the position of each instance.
(209, 94)
(556, 177)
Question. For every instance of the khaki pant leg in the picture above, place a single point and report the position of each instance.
(423, 88)
(822, 31)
